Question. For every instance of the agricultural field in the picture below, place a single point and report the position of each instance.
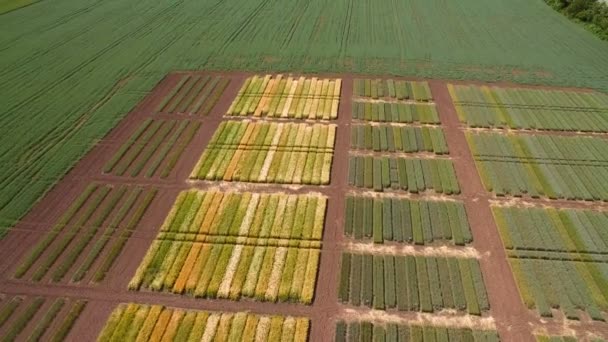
(396, 112)
(233, 245)
(137, 322)
(556, 167)
(153, 149)
(38, 318)
(408, 174)
(288, 97)
(532, 109)
(404, 220)
(398, 139)
(557, 338)
(268, 152)
(193, 94)
(392, 90)
(88, 238)
(368, 331)
(412, 283)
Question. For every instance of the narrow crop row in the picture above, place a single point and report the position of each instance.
(154, 148)
(557, 338)
(193, 94)
(137, 322)
(394, 89)
(530, 108)
(269, 153)
(563, 285)
(553, 230)
(288, 97)
(38, 319)
(398, 139)
(405, 220)
(89, 236)
(412, 283)
(555, 167)
(410, 174)
(266, 273)
(368, 331)
(208, 216)
(395, 112)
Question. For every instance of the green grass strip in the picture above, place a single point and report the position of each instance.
(68, 322)
(22, 321)
(8, 310)
(46, 321)
(172, 93)
(123, 149)
(165, 149)
(193, 128)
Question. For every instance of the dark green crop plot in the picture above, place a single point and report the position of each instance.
(405, 220)
(409, 174)
(193, 94)
(395, 112)
(349, 331)
(392, 89)
(413, 283)
(398, 139)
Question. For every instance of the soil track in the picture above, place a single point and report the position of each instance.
(513, 320)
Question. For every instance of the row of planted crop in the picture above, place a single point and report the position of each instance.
(137, 322)
(193, 94)
(197, 214)
(355, 331)
(409, 174)
(412, 283)
(393, 89)
(395, 112)
(398, 139)
(405, 220)
(288, 97)
(90, 235)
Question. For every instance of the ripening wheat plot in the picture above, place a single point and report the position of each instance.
(356, 331)
(412, 283)
(403, 220)
(88, 238)
(140, 322)
(381, 138)
(551, 166)
(193, 94)
(268, 152)
(288, 97)
(424, 113)
(392, 89)
(233, 245)
(519, 108)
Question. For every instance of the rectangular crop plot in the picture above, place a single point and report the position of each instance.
(233, 245)
(405, 220)
(392, 89)
(86, 241)
(138, 322)
(530, 108)
(153, 149)
(193, 94)
(412, 283)
(423, 113)
(368, 331)
(398, 139)
(288, 97)
(38, 318)
(551, 166)
(268, 153)
(409, 174)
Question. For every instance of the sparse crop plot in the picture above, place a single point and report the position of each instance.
(38, 318)
(193, 94)
(288, 97)
(268, 153)
(398, 139)
(395, 112)
(530, 108)
(137, 322)
(369, 331)
(153, 149)
(409, 174)
(551, 166)
(404, 220)
(233, 245)
(87, 239)
(412, 283)
(392, 89)
(557, 338)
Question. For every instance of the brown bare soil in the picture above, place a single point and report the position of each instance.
(508, 314)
